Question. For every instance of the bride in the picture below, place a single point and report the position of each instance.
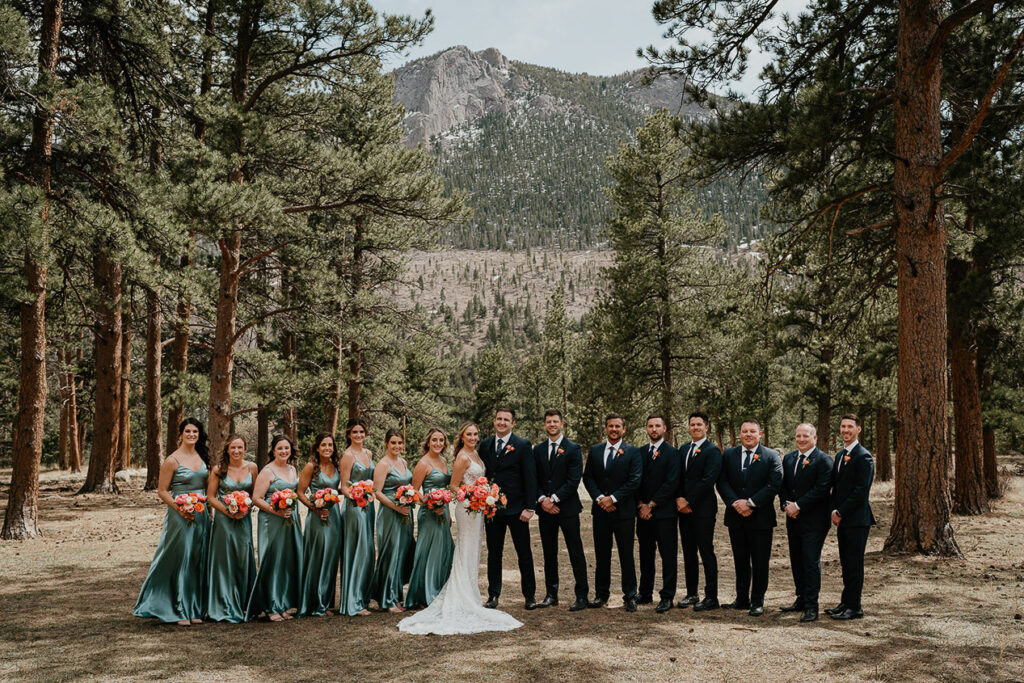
(457, 608)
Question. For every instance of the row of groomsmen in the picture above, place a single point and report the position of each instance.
(648, 492)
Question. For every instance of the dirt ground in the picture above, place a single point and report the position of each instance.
(67, 601)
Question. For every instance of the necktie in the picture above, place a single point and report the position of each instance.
(551, 453)
(746, 460)
(609, 456)
(693, 447)
(799, 463)
(650, 451)
(500, 445)
(839, 459)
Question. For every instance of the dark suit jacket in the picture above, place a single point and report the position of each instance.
(621, 479)
(660, 479)
(561, 476)
(762, 484)
(697, 480)
(809, 489)
(851, 486)
(513, 471)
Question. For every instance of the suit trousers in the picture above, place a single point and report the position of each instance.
(607, 527)
(852, 542)
(697, 535)
(520, 532)
(751, 553)
(660, 534)
(570, 526)
(805, 546)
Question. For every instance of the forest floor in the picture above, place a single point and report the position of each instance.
(67, 599)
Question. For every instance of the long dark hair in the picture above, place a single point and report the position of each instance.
(459, 442)
(390, 433)
(425, 446)
(202, 448)
(292, 459)
(225, 459)
(354, 422)
(314, 457)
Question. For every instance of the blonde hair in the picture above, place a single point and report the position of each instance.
(460, 439)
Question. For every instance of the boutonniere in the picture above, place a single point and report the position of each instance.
(807, 461)
(846, 459)
(509, 447)
(655, 454)
(621, 452)
(560, 451)
(696, 453)
(757, 456)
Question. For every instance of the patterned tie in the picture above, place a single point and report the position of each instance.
(500, 445)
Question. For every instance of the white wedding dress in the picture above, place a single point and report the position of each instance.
(457, 608)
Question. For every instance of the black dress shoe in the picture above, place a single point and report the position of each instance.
(838, 608)
(795, 607)
(736, 604)
(630, 605)
(756, 611)
(810, 614)
(688, 600)
(663, 606)
(597, 602)
(532, 604)
(548, 601)
(645, 600)
(581, 603)
(492, 602)
(848, 613)
(706, 604)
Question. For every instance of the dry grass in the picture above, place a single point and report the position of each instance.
(67, 601)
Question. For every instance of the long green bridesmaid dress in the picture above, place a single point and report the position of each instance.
(175, 588)
(278, 585)
(321, 552)
(357, 551)
(432, 559)
(232, 566)
(394, 536)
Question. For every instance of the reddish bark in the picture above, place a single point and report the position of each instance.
(223, 361)
(154, 419)
(124, 440)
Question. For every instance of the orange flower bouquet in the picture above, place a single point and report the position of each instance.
(405, 496)
(237, 501)
(325, 499)
(482, 496)
(194, 503)
(361, 492)
(285, 499)
(437, 501)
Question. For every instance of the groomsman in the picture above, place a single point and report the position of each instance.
(656, 526)
(509, 462)
(697, 506)
(806, 481)
(852, 474)
(559, 470)
(751, 478)
(612, 476)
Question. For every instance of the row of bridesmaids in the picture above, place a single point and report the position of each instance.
(208, 569)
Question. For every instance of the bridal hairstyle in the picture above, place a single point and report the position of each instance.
(460, 440)
(425, 446)
(202, 447)
(354, 422)
(314, 457)
(292, 459)
(390, 433)
(225, 459)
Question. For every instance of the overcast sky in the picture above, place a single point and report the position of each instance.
(599, 37)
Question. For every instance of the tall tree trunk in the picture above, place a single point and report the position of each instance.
(334, 400)
(154, 419)
(289, 344)
(179, 366)
(969, 483)
(988, 435)
(124, 443)
(64, 443)
(883, 455)
(70, 444)
(355, 352)
(223, 360)
(262, 436)
(106, 421)
(824, 396)
(921, 515)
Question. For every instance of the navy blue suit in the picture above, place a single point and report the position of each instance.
(658, 486)
(851, 486)
(515, 472)
(620, 480)
(808, 486)
(559, 476)
(700, 471)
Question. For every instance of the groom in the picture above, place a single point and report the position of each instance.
(510, 464)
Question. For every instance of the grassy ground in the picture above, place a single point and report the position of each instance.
(67, 601)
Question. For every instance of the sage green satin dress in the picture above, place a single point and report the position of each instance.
(175, 587)
(432, 560)
(394, 536)
(357, 551)
(232, 564)
(321, 552)
(278, 585)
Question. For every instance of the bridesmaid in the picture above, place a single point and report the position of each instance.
(232, 565)
(278, 580)
(394, 528)
(174, 589)
(432, 559)
(321, 549)
(357, 524)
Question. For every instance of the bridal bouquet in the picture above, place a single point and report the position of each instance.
(191, 502)
(437, 501)
(283, 500)
(405, 496)
(361, 491)
(325, 499)
(482, 496)
(237, 501)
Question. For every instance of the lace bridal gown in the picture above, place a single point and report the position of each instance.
(457, 608)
